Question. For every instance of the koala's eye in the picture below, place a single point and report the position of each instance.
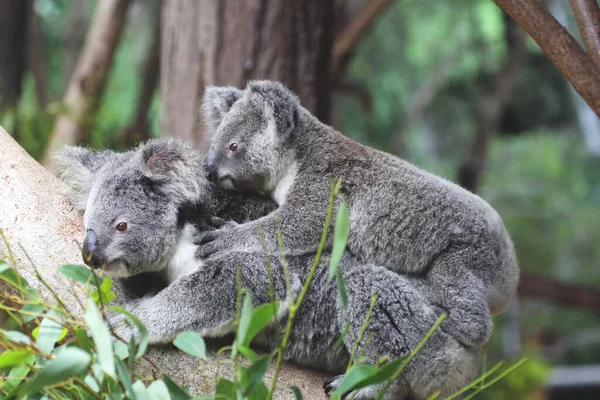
(233, 146)
(121, 226)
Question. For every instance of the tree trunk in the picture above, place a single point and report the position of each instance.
(35, 55)
(44, 231)
(231, 41)
(13, 34)
(138, 130)
(85, 88)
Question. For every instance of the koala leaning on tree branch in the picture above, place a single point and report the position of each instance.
(401, 217)
(142, 209)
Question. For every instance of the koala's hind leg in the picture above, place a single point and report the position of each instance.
(205, 301)
(462, 295)
(399, 321)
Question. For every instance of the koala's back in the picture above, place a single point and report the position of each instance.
(406, 218)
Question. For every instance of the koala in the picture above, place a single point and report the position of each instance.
(401, 217)
(141, 211)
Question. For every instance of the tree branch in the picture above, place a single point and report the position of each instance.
(587, 13)
(534, 285)
(44, 229)
(559, 46)
(346, 41)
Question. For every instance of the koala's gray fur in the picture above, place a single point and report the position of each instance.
(401, 217)
(161, 191)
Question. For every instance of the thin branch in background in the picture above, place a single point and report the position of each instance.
(345, 43)
(535, 285)
(491, 106)
(587, 13)
(559, 46)
(87, 84)
(75, 38)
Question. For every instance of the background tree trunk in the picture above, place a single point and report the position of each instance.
(231, 41)
(85, 88)
(13, 34)
(44, 231)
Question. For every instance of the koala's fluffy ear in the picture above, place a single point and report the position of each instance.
(217, 102)
(281, 103)
(176, 167)
(78, 167)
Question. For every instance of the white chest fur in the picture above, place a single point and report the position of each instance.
(184, 259)
(282, 188)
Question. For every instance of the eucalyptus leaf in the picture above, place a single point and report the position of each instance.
(102, 338)
(191, 343)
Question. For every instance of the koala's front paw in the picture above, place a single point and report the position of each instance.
(123, 328)
(331, 385)
(212, 242)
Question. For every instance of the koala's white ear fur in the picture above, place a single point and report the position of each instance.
(77, 167)
(176, 167)
(217, 102)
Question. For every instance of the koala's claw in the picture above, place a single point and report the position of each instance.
(331, 384)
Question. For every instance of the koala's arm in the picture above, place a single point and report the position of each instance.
(241, 207)
(204, 301)
(300, 219)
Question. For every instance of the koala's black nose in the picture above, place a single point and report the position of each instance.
(210, 165)
(90, 251)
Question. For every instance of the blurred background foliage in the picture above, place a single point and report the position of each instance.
(413, 87)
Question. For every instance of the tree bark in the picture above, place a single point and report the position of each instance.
(85, 88)
(13, 34)
(559, 46)
(35, 56)
(44, 231)
(587, 13)
(231, 41)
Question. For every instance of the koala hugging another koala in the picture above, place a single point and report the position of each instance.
(423, 245)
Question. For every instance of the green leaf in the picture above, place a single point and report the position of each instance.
(3, 267)
(79, 273)
(143, 340)
(191, 343)
(121, 350)
(101, 337)
(383, 373)
(245, 318)
(356, 374)
(248, 353)
(125, 379)
(37, 310)
(297, 392)
(341, 288)
(49, 331)
(16, 375)
(83, 342)
(69, 363)
(158, 391)
(16, 337)
(11, 358)
(141, 392)
(255, 374)
(260, 318)
(340, 238)
(176, 391)
(225, 390)
(105, 290)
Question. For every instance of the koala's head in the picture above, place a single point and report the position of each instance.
(131, 202)
(253, 132)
